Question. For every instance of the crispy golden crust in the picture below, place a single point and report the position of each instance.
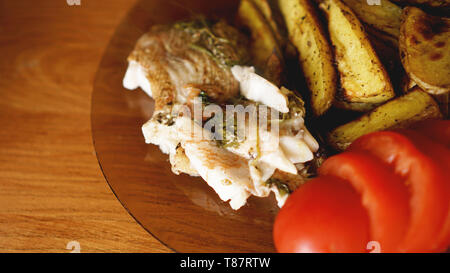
(176, 55)
(363, 77)
(180, 163)
(263, 39)
(425, 50)
(401, 112)
(384, 17)
(316, 57)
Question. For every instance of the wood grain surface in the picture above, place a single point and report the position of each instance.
(52, 190)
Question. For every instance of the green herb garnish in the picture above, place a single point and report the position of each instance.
(296, 105)
(218, 40)
(283, 188)
(206, 100)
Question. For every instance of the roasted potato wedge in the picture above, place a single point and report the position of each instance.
(390, 58)
(363, 78)
(401, 112)
(315, 53)
(443, 99)
(267, 9)
(384, 17)
(388, 40)
(425, 50)
(263, 41)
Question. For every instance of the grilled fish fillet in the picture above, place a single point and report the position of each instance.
(179, 63)
(168, 58)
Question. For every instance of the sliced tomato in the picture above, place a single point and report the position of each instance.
(383, 193)
(436, 129)
(425, 180)
(440, 155)
(324, 215)
(436, 151)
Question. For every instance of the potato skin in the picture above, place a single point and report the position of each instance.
(271, 14)
(315, 53)
(364, 81)
(384, 17)
(263, 40)
(424, 45)
(401, 112)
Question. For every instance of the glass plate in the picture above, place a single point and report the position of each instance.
(183, 212)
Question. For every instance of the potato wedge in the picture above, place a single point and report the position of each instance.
(384, 17)
(387, 39)
(390, 58)
(267, 9)
(401, 112)
(315, 53)
(442, 100)
(263, 42)
(363, 77)
(425, 50)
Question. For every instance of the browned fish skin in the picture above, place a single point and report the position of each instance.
(292, 181)
(175, 57)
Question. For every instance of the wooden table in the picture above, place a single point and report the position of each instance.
(52, 190)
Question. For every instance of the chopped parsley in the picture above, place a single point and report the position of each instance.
(206, 100)
(283, 188)
(218, 40)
